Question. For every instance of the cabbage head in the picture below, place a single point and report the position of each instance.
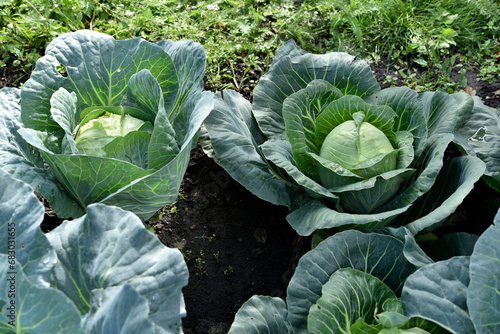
(106, 121)
(323, 138)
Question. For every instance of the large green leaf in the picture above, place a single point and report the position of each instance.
(261, 315)
(28, 311)
(21, 214)
(19, 159)
(348, 296)
(118, 310)
(483, 296)
(440, 111)
(376, 254)
(110, 247)
(236, 139)
(454, 182)
(438, 292)
(190, 62)
(478, 133)
(315, 215)
(292, 69)
(98, 69)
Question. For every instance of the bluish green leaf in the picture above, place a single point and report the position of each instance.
(441, 112)
(162, 148)
(232, 132)
(376, 254)
(438, 292)
(315, 215)
(21, 161)
(262, 315)
(478, 133)
(110, 247)
(405, 103)
(118, 310)
(28, 311)
(21, 214)
(483, 296)
(132, 148)
(454, 182)
(280, 153)
(63, 111)
(98, 69)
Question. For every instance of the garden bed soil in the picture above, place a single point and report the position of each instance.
(237, 245)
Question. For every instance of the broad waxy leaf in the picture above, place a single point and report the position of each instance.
(116, 310)
(20, 160)
(300, 111)
(261, 314)
(483, 295)
(21, 214)
(236, 140)
(438, 292)
(110, 247)
(455, 181)
(478, 133)
(98, 70)
(30, 312)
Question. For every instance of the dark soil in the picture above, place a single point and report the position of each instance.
(237, 245)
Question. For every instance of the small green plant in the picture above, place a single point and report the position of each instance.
(201, 266)
(228, 271)
(490, 70)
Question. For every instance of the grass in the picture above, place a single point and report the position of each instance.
(241, 36)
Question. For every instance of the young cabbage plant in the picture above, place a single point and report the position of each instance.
(100, 273)
(322, 138)
(349, 283)
(478, 133)
(355, 282)
(106, 121)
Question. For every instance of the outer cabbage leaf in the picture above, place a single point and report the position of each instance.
(483, 295)
(438, 292)
(110, 247)
(20, 160)
(261, 314)
(31, 312)
(116, 310)
(454, 182)
(101, 74)
(21, 214)
(478, 133)
(235, 138)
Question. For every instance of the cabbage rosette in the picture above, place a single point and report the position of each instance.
(110, 122)
(322, 138)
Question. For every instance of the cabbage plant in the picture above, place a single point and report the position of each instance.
(100, 273)
(322, 138)
(106, 121)
(355, 282)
